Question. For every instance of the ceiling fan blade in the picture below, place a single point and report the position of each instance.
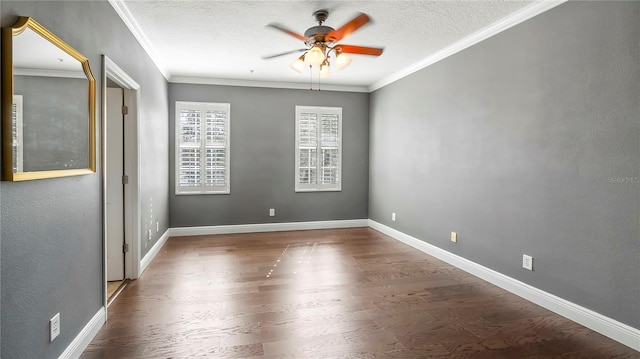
(282, 54)
(360, 50)
(287, 31)
(348, 28)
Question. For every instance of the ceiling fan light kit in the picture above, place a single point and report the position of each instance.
(342, 60)
(315, 56)
(298, 64)
(322, 43)
(324, 70)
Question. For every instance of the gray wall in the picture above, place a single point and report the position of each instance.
(54, 122)
(262, 158)
(51, 252)
(527, 142)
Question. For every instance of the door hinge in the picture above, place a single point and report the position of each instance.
(125, 179)
(125, 110)
(125, 248)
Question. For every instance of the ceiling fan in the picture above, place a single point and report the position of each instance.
(321, 41)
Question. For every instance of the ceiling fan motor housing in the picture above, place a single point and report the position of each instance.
(318, 33)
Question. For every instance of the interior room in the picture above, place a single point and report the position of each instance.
(464, 182)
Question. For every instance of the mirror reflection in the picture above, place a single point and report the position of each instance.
(52, 91)
(52, 104)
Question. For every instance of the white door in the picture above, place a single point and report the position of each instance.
(115, 188)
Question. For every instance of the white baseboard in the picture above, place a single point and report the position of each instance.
(153, 252)
(266, 227)
(86, 335)
(611, 328)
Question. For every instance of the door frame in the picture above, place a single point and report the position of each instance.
(132, 208)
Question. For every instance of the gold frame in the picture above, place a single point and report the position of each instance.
(8, 33)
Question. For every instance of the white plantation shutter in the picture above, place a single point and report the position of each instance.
(216, 149)
(318, 148)
(16, 133)
(188, 168)
(202, 147)
(329, 147)
(308, 148)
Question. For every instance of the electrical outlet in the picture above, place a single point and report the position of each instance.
(272, 212)
(393, 216)
(157, 226)
(527, 262)
(54, 326)
(149, 235)
(454, 237)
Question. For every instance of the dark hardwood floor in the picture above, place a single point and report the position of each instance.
(347, 293)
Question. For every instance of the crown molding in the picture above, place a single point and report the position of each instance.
(123, 11)
(266, 84)
(497, 27)
(22, 71)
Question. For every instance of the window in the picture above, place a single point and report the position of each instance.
(318, 148)
(202, 147)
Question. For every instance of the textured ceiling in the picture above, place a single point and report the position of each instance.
(226, 39)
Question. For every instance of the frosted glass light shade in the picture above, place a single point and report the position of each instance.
(324, 70)
(298, 64)
(342, 60)
(314, 57)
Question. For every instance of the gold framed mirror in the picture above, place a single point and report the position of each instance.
(48, 106)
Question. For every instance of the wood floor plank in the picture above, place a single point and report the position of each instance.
(344, 293)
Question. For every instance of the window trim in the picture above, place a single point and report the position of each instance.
(202, 106)
(317, 187)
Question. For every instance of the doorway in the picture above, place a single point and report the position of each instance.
(121, 203)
